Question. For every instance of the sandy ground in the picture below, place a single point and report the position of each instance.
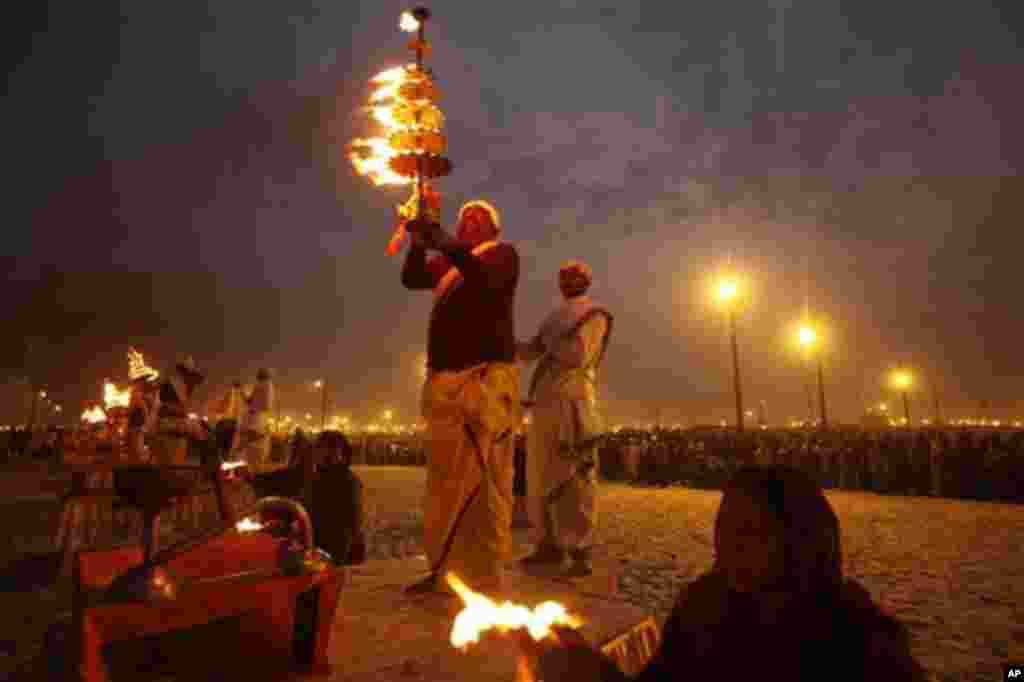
(951, 570)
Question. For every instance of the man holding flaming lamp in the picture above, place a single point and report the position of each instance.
(174, 427)
(142, 407)
(470, 397)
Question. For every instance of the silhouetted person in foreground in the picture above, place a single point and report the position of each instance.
(774, 605)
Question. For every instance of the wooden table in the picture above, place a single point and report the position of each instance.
(102, 498)
(265, 605)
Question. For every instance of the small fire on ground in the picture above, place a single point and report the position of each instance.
(482, 613)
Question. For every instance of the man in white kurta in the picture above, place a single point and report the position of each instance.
(561, 470)
(253, 441)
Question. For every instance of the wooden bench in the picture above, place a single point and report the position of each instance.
(97, 500)
(265, 606)
(634, 648)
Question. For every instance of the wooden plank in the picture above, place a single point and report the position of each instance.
(265, 603)
(635, 647)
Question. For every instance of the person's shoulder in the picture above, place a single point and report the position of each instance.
(702, 601)
(599, 312)
(886, 639)
(855, 595)
(501, 251)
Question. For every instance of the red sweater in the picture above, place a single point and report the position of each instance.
(474, 323)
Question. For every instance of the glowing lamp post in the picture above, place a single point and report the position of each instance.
(807, 337)
(727, 293)
(36, 397)
(321, 385)
(902, 380)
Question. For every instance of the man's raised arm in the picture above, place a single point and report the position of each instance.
(496, 270)
(416, 273)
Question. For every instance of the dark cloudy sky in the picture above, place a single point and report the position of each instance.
(177, 180)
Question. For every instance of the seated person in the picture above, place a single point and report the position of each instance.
(337, 501)
(293, 480)
(774, 604)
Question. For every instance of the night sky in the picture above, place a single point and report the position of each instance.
(177, 180)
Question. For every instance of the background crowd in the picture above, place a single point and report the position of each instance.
(967, 463)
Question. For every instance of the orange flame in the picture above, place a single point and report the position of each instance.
(228, 466)
(248, 526)
(137, 366)
(408, 23)
(94, 415)
(482, 613)
(115, 397)
(402, 103)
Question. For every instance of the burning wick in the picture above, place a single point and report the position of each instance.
(115, 397)
(482, 613)
(248, 526)
(94, 415)
(408, 23)
(138, 367)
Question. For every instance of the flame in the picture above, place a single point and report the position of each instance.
(115, 397)
(94, 415)
(228, 466)
(137, 366)
(397, 113)
(402, 103)
(248, 526)
(482, 613)
(408, 23)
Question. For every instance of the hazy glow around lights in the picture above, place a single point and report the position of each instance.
(807, 336)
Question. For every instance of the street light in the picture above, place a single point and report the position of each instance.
(807, 337)
(322, 386)
(36, 397)
(902, 380)
(727, 293)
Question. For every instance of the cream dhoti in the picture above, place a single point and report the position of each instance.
(471, 416)
(561, 474)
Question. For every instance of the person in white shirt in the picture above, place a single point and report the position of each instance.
(253, 443)
(561, 465)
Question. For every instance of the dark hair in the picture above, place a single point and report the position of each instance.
(810, 529)
(337, 445)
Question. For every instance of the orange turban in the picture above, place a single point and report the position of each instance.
(575, 277)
